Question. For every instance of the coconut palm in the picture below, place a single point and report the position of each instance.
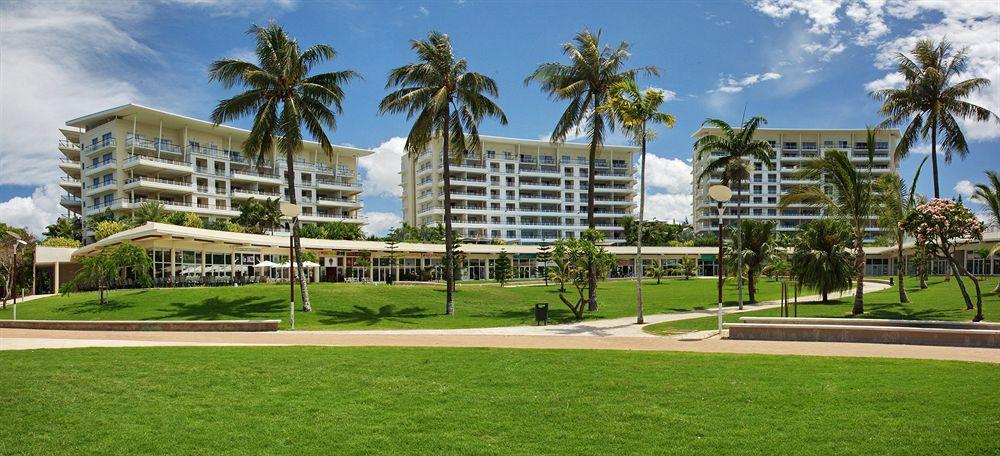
(737, 147)
(149, 211)
(757, 247)
(989, 195)
(636, 111)
(931, 102)
(843, 191)
(447, 101)
(282, 97)
(820, 258)
(896, 201)
(586, 83)
(65, 227)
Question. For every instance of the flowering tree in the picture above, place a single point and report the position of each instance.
(938, 223)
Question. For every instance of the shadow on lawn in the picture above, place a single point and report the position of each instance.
(362, 314)
(220, 308)
(93, 307)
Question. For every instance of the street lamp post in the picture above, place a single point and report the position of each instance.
(291, 211)
(721, 194)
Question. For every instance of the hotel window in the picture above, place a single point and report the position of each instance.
(491, 154)
(106, 138)
(758, 166)
(108, 199)
(790, 145)
(881, 145)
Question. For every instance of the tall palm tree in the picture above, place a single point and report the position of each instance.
(896, 201)
(758, 247)
(448, 101)
(635, 110)
(931, 102)
(737, 147)
(844, 191)
(282, 97)
(586, 83)
(989, 195)
(820, 258)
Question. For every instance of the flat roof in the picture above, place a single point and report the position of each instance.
(546, 143)
(173, 120)
(891, 131)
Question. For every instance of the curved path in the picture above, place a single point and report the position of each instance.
(612, 334)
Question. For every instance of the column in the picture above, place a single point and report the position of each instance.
(34, 274)
(203, 262)
(55, 281)
(398, 261)
(371, 269)
(232, 265)
(173, 264)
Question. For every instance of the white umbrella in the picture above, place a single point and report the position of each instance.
(309, 264)
(265, 264)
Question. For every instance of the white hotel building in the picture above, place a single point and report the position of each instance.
(520, 190)
(118, 158)
(791, 147)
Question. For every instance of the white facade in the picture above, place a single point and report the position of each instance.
(521, 191)
(760, 196)
(118, 158)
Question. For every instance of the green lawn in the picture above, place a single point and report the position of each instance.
(321, 400)
(359, 306)
(940, 301)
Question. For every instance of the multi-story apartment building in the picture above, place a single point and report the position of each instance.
(520, 190)
(791, 147)
(118, 158)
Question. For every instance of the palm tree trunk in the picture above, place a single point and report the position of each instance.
(953, 265)
(751, 285)
(292, 198)
(859, 269)
(591, 222)
(449, 242)
(739, 240)
(900, 264)
(638, 242)
(937, 191)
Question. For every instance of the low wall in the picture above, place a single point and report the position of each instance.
(986, 338)
(872, 322)
(94, 325)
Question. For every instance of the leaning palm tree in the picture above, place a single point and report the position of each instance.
(841, 190)
(896, 202)
(989, 195)
(448, 102)
(282, 97)
(737, 147)
(586, 83)
(931, 102)
(635, 110)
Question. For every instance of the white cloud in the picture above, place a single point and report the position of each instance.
(821, 14)
(889, 81)
(729, 84)
(667, 94)
(423, 11)
(964, 188)
(670, 174)
(382, 168)
(668, 207)
(35, 212)
(235, 7)
(825, 51)
(379, 223)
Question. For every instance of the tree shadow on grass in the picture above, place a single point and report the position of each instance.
(371, 317)
(93, 306)
(903, 312)
(220, 308)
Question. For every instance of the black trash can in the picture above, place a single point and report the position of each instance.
(891, 281)
(541, 314)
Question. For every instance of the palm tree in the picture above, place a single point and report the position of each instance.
(737, 149)
(896, 201)
(820, 258)
(282, 97)
(931, 103)
(448, 101)
(586, 83)
(989, 195)
(635, 111)
(66, 227)
(758, 246)
(844, 191)
(149, 211)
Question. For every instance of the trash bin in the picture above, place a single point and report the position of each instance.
(541, 314)
(891, 281)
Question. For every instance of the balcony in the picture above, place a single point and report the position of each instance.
(616, 175)
(70, 184)
(71, 202)
(250, 176)
(153, 146)
(100, 187)
(338, 202)
(154, 183)
(71, 167)
(98, 146)
(153, 164)
(323, 217)
(242, 193)
(100, 166)
(343, 185)
(70, 149)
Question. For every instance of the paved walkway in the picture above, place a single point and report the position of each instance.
(612, 334)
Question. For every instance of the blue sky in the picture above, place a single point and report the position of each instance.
(800, 63)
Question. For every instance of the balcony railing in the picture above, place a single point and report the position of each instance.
(337, 182)
(110, 142)
(160, 146)
(100, 163)
(158, 181)
(253, 174)
(67, 144)
(136, 157)
(257, 192)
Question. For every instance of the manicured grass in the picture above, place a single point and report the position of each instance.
(319, 400)
(940, 301)
(358, 306)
